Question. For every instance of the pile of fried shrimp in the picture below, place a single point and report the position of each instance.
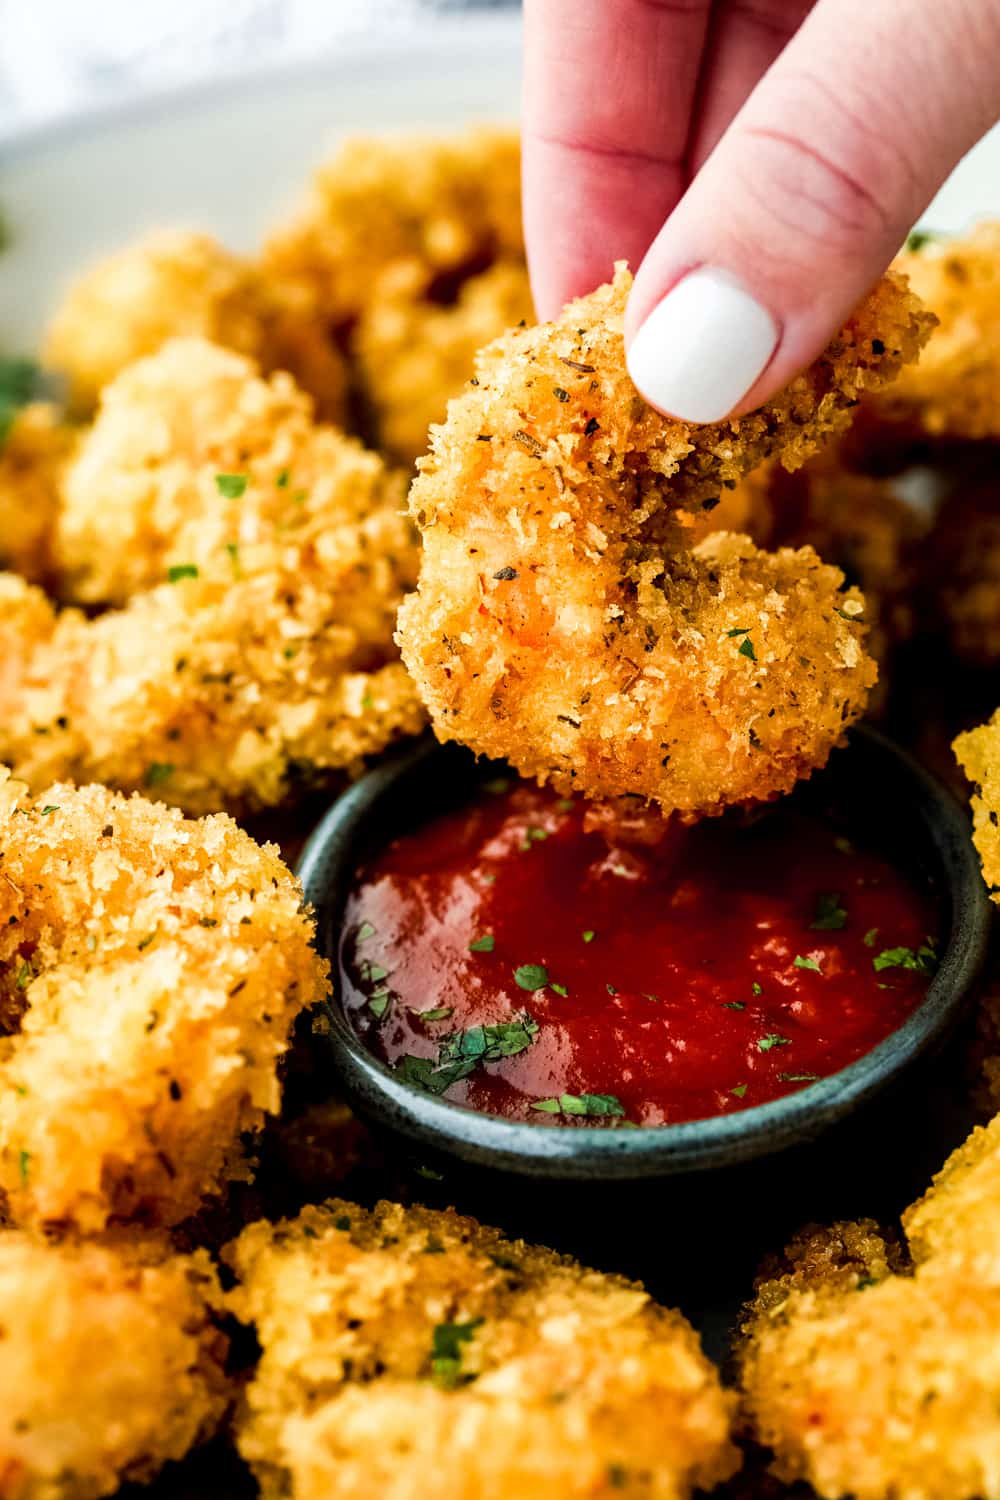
(290, 509)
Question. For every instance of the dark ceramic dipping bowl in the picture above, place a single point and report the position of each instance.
(882, 791)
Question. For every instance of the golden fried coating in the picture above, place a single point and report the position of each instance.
(563, 622)
(33, 459)
(112, 1364)
(858, 523)
(450, 203)
(954, 390)
(869, 1383)
(409, 1352)
(267, 664)
(150, 972)
(176, 283)
(415, 354)
(978, 752)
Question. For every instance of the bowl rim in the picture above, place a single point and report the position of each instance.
(657, 1150)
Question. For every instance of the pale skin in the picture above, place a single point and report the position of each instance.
(787, 144)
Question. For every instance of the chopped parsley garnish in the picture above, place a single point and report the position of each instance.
(559, 989)
(365, 931)
(756, 989)
(282, 479)
(367, 700)
(496, 786)
(144, 943)
(438, 1013)
(343, 1222)
(372, 973)
(50, 807)
(611, 989)
(739, 1090)
(234, 557)
(181, 570)
(800, 962)
(798, 1077)
(871, 937)
(25, 974)
(379, 1004)
(918, 238)
(19, 383)
(565, 804)
(447, 1342)
(490, 1043)
(773, 1039)
(231, 486)
(589, 935)
(484, 944)
(158, 771)
(922, 960)
(843, 845)
(738, 630)
(830, 915)
(531, 977)
(580, 1104)
(746, 649)
(733, 1005)
(23, 1164)
(533, 836)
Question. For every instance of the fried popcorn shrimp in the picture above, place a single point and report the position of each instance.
(450, 203)
(415, 354)
(113, 1364)
(562, 620)
(33, 458)
(178, 283)
(869, 1378)
(406, 1351)
(954, 390)
(978, 753)
(265, 662)
(150, 972)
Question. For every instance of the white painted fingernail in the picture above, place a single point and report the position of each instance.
(701, 348)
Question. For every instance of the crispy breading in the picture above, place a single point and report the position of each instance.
(563, 622)
(978, 752)
(178, 283)
(268, 664)
(406, 1351)
(451, 203)
(151, 968)
(112, 1364)
(870, 1381)
(954, 390)
(33, 459)
(415, 354)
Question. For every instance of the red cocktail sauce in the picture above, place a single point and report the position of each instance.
(521, 957)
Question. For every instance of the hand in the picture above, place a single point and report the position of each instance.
(760, 161)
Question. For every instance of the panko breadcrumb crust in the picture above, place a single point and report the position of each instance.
(258, 560)
(151, 969)
(33, 460)
(111, 1363)
(562, 621)
(954, 391)
(176, 283)
(407, 1352)
(978, 753)
(868, 1378)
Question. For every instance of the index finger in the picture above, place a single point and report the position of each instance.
(609, 91)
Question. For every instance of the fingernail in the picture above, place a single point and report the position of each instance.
(702, 348)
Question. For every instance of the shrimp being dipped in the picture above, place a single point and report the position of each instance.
(563, 621)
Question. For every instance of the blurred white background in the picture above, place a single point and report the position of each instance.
(60, 56)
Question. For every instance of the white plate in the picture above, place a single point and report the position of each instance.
(227, 156)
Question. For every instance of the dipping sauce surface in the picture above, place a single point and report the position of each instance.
(513, 957)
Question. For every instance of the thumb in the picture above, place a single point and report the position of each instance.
(807, 197)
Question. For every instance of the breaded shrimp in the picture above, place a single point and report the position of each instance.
(33, 459)
(407, 1352)
(450, 203)
(415, 354)
(267, 664)
(150, 972)
(175, 283)
(563, 622)
(954, 390)
(111, 1363)
(978, 752)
